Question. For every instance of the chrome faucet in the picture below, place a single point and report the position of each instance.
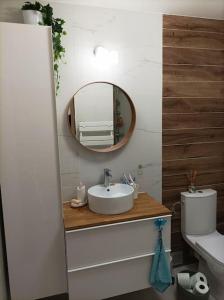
(107, 176)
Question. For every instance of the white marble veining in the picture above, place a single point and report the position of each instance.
(199, 8)
(138, 39)
(137, 36)
(10, 9)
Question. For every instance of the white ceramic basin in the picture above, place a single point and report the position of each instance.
(116, 199)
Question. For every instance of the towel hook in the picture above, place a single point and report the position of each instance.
(160, 223)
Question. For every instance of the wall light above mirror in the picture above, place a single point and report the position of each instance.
(101, 116)
(104, 57)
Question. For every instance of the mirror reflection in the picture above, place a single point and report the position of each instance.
(101, 116)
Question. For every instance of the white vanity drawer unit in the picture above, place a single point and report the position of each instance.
(110, 259)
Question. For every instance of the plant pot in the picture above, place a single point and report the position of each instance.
(32, 17)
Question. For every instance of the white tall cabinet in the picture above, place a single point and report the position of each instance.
(29, 167)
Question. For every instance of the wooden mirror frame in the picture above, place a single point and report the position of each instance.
(127, 136)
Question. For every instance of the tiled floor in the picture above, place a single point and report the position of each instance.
(170, 294)
(147, 294)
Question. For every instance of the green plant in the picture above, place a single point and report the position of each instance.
(57, 33)
(31, 6)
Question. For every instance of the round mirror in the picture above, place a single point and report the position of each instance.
(101, 116)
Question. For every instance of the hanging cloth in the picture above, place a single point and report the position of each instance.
(160, 275)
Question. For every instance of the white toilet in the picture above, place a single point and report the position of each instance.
(198, 226)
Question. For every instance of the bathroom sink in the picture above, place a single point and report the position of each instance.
(115, 199)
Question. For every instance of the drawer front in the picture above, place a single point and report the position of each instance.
(92, 246)
(109, 280)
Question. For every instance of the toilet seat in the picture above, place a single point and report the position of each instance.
(211, 245)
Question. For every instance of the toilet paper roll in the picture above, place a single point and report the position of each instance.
(184, 280)
(198, 277)
(200, 288)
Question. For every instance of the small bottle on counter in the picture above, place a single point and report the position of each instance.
(81, 196)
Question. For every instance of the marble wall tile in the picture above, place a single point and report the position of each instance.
(9, 9)
(68, 155)
(69, 182)
(138, 39)
(200, 8)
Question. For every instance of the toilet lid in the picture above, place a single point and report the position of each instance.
(213, 246)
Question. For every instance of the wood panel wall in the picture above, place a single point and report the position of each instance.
(193, 111)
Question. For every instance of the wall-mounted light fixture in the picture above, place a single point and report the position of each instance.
(104, 57)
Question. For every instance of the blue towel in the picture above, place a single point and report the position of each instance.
(160, 275)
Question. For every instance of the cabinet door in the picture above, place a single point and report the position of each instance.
(110, 280)
(109, 260)
(96, 245)
(30, 183)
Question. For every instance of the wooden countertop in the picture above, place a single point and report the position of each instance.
(144, 207)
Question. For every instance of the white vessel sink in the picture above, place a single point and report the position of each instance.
(115, 199)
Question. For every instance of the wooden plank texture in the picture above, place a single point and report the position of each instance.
(192, 23)
(220, 209)
(202, 164)
(207, 89)
(195, 57)
(194, 135)
(192, 73)
(193, 39)
(193, 105)
(178, 242)
(203, 179)
(144, 207)
(174, 152)
(196, 120)
(193, 112)
(220, 227)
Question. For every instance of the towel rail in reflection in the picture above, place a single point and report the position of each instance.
(96, 134)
